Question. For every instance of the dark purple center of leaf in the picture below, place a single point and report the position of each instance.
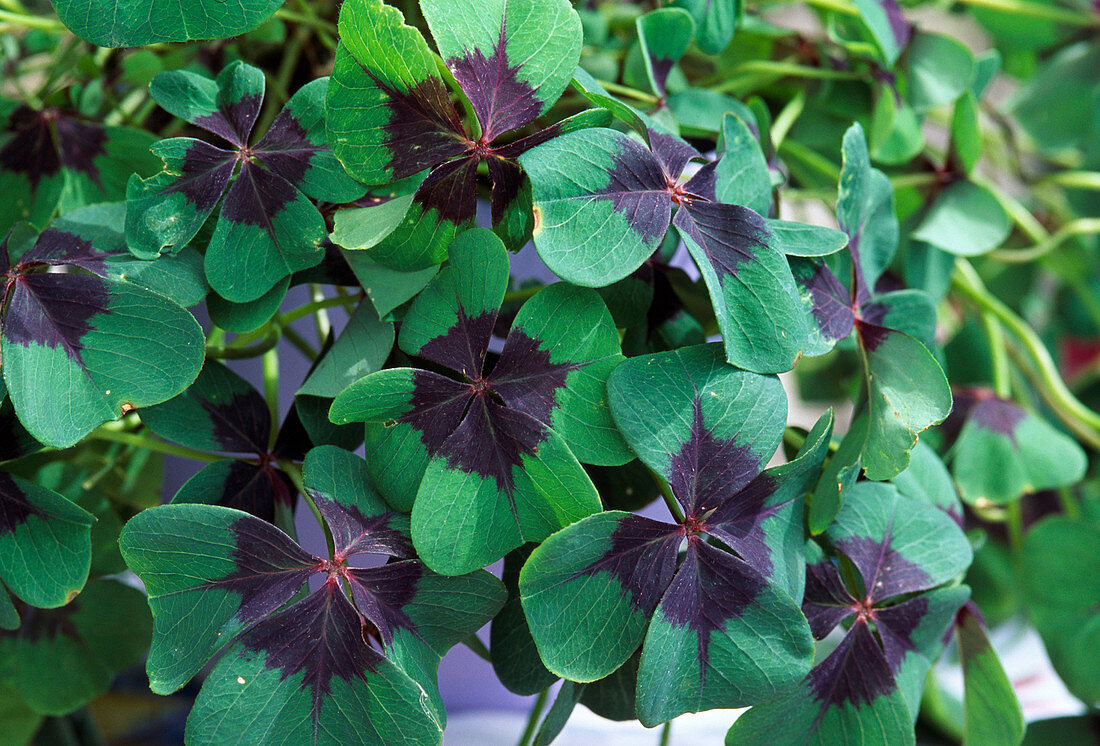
(896, 625)
(999, 415)
(501, 101)
(15, 509)
(710, 588)
(355, 533)
(321, 636)
(707, 473)
(730, 235)
(54, 310)
(526, 379)
(642, 558)
(32, 150)
(271, 568)
(871, 336)
(233, 121)
(44, 624)
(80, 144)
(855, 672)
(256, 196)
(285, 148)
(424, 129)
(380, 593)
(638, 189)
(886, 573)
(205, 172)
(256, 489)
(832, 309)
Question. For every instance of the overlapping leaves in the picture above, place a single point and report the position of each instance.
(391, 116)
(604, 202)
(267, 228)
(490, 452)
(315, 668)
(868, 688)
(93, 336)
(717, 628)
(52, 159)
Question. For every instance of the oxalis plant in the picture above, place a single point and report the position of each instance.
(278, 266)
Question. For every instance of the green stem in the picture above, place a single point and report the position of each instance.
(1083, 421)
(320, 316)
(1069, 503)
(474, 643)
(1081, 227)
(32, 21)
(793, 438)
(1074, 179)
(318, 24)
(1028, 9)
(313, 307)
(271, 390)
(666, 734)
(533, 719)
(786, 70)
(149, 444)
(787, 117)
(1015, 525)
(294, 471)
(520, 295)
(300, 343)
(667, 496)
(999, 353)
(233, 352)
(811, 158)
(629, 92)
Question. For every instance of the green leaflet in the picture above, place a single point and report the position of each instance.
(132, 23)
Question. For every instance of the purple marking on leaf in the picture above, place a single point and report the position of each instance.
(15, 508)
(57, 247)
(380, 593)
(998, 415)
(738, 521)
(256, 490)
(856, 672)
(54, 310)
(233, 122)
(501, 101)
(80, 144)
(507, 178)
(256, 196)
(321, 637)
(710, 588)
(285, 149)
(204, 174)
(526, 379)
(641, 558)
(661, 67)
(831, 309)
(31, 151)
(240, 424)
(871, 336)
(436, 408)
(704, 182)
(898, 25)
(463, 346)
(638, 190)
(729, 235)
(708, 472)
(36, 624)
(451, 190)
(827, 601)
(671, 152)
(516, 148)
(886, 573)
(896, 625)
(424, 129)
(355, 533)
(270, 568)
(491, 441)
